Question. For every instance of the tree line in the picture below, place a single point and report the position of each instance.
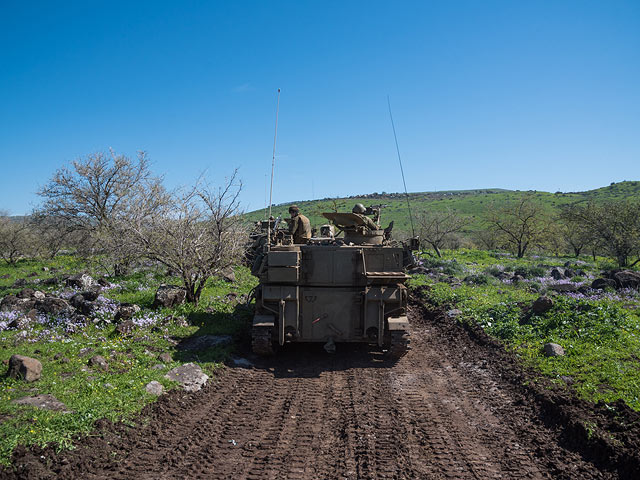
(610, 228)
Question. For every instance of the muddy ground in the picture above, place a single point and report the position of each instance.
(457, 406)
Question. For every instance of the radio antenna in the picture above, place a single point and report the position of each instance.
(273, 163)
(413, 232)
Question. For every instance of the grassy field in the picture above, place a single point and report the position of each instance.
(599, 330)
(470, 203)
(64, 350)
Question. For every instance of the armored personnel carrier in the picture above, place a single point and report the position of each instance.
(333, 289)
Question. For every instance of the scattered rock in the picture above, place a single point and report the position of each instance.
(169, 296)
(50, 281)
(567, 379)
(126, 311)
(81, 280)
(627, 279)
(557, 274)
(5, 276)
(91, 295)
(453, 313)
(98, 361)
(52, 305)
(229, 275)
(125, 327)
(602, 283)
(242, 362)
(517, 278)
(38, 295)
(24, 368)
(541, 305)
(564, 287)
(155, 388)
(189, 375)
(45, 402)
(21, 282)
(159, 366)
(45, 269)
(553, 350)
(25, 293)
(165, 357)
(203, 342)
(568, 273)
(86, 351)
(12, 303)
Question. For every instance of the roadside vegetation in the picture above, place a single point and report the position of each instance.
(598, 329)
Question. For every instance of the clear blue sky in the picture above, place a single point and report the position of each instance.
(524, 95)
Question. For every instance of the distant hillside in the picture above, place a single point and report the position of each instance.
(471, 203)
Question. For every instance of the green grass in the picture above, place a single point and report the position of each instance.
(601, 338)
(119, 393)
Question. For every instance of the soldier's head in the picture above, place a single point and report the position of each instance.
(294, 210)
(359, 208)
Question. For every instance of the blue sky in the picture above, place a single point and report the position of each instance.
(524, 95)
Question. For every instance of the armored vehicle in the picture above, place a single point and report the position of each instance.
(332, 289)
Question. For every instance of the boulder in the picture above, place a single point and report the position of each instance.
(21, 282)
(564, 287)
(556, 274)
(81, 281)
(627, 279)
(45, 402)
(125, 327)
(50, 281)
(25, 293)
(165, 357)
(169, 296)
(154, 388)
(25, 368)
(11, 303)
(126, 311)
(229, 275)
(568, 273)
(77, 301)
(99, 362)
(52, 305)
(553, 350)
(38, 295)
(189, 375)
(602, 283)
(541, 305)
(203, 342)
(91, 295)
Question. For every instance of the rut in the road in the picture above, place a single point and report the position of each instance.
(444, 410)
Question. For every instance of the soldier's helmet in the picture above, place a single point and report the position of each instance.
(359, 208)
(294, 208)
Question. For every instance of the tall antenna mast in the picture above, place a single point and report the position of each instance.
(273, 163)
(413, 232)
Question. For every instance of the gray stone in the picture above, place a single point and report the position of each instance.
(98, 361)
(627, 279)
(203, 342)
(567, 379)
(24, 368)
(125, 327)
(564, 287)
(189, 375)
(541, 305)
(81, 280)
(557, 274)
(169, 296)
(229, 275)
(553, 350)
(126, 311)
(45, 402)
(453, 313)
(154, 388)
(38, 295)
(602, 283)
(159, 366)
(52, 305)
(165, 357)
(11, 303)
(242, 362)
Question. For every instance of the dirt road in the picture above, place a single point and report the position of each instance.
(451, 408)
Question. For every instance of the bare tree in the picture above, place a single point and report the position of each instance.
(436, 228)
(613, 226)
(521, 224)
(16, 240)
(486, 238)
(196, 233)
(92, 195)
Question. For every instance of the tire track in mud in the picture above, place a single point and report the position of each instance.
(441, 412)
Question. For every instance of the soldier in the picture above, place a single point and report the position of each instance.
(359, 211)
(299, 226)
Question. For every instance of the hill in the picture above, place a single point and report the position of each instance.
(472, 203)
